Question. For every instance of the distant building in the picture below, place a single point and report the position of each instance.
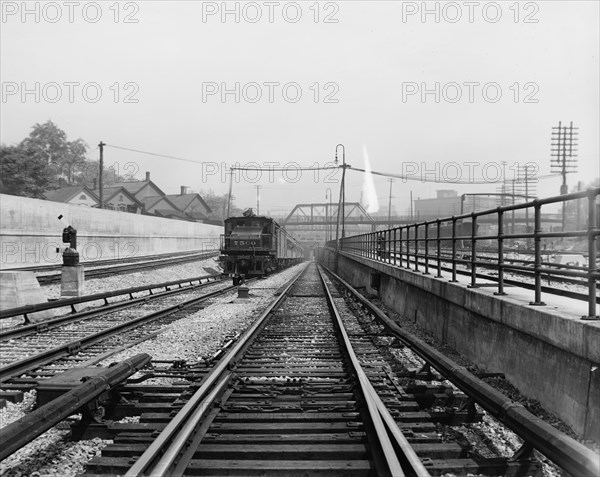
(119, 198)
(446, 204)
(449, 203)
(191, 204)
(74, 195)
(141, 189)
(137, 197)
(162, 207)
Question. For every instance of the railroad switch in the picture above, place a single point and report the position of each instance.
(94, 411)
(50, 389)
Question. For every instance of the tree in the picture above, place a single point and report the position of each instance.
(66, 159)
(23, 172)
(44, 160)
(218, 205)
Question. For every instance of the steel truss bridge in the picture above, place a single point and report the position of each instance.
(317, 222)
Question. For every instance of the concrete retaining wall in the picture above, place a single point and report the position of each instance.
(30, 233)
(549, 357)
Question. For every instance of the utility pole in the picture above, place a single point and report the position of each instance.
(411, 206)
(578, 207)
(391, 181)
(101, 173)
(257, 199)
(512, 225)
(525, 168)
(502, 200)
(229, 195)
(564, 143)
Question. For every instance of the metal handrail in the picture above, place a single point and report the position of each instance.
(29, 309)
(405, 245)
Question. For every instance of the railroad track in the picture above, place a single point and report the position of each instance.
(568, 454)
(46, 349)
(129, 267)
(112, 261)
(291, 406)
(309, 390)
(432, 264)
(305, 391)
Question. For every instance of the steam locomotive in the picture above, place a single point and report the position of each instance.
(256, 246)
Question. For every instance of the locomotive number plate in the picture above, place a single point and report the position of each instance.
(243, 243)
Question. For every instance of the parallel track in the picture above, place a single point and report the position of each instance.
(307, 394)
(130, 267)
(508, 281)
(45, 353)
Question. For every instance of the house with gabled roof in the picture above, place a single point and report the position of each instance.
(141, 189)
(191, 204)
(74, 195)
(119, 198)
(163, 207)
(137, 197)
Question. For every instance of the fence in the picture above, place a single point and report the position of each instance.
(458, 240)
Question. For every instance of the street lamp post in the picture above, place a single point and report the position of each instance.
(341, 208)
(327, 215)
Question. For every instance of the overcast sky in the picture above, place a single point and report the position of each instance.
(285, 82)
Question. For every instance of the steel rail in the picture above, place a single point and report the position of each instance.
(19, 367)
(113, 261)
(378, 412)
(135, 266)
(24, 430)
(171, 441)
(21, 331)
(565, 451)
(28, 309)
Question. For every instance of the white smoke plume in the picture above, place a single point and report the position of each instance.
(369, 194)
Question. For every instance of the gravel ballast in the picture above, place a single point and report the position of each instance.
(193, 338)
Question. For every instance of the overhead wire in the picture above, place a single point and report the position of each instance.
(295, 167)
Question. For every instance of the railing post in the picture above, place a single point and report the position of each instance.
(453, 249)
(500, 253)
(401, 250)
(538, 256)
(439, 250)
(426, 249)
(408, 247)
(395, 245)
(389, 246)
(416, 247)
(373, 245)
(592, 267)
(473, 251)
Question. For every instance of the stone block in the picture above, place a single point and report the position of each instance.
(72, 281)
(22, 289)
